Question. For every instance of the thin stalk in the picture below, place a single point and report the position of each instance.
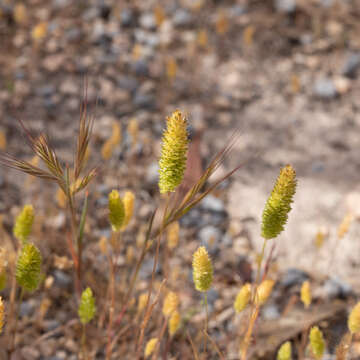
(83, 341)
(254, 312)
(12, 344)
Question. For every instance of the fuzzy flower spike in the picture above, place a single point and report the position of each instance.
(202, 269)
(278, 205)
(172, 162)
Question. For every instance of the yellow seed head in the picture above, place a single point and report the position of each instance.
(173, 235)
(103, 245)
(264, 291)
(2, 314)
(150, 347)
(174, 323)
(222, 24)
(354, 319)
(20, 14)
(202, 269)
(202, 38)
(317, 343)
(171, 69)
(23, 223)
(278, 205)
(172, 162)
(142, 302)
(28, 267)
(107, 149)
(242, 298)
(128, 201)
(284, 352)
(305, 294)
(39, 31)
(61, 198)
(116, 211)
(171, 303)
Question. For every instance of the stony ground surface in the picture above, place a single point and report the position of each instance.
(284, 73)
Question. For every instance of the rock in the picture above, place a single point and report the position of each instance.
(210, 237)
(342, 85)
(147, 268)
(144, 101)
(104, 11)
(148, 21)
(182, 18)
(212, 296)
(30, 353)
(50, 324)
(73, 34)
(152, 173)
(69, 87)
(60, 4)
(62, 279)
(60, 355)
(325, 88)
(140, 67)
(285, 6)
(27, 307)
(46, 90)
(293, 277)
(271, 312)
(212, 203)
(127, 18)
(128, 83)
(336, 288)
(351, 65)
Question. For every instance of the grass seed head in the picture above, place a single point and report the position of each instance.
(150, 347)
(171, 303)
(174, 323)
(87, 308)
(242, 298)
(173, 234)
(128, 201)
(278, 205)
(354, 319)
(202, 269)
(284, 352)
(23, 224)
(2, 314)
(28, 267)
(116, 210)
(263, 291)
(305, 294)
(317, 343)
(172, 162)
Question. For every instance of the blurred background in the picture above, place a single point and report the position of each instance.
(285, 73)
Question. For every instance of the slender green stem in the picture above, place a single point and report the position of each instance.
(206, 321)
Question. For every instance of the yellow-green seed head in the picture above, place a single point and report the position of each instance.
(87, 308)
(242, 298)
(317, 343)
(284, 352)
(354, 319)
(172, 162)
(28, 267)
(150, 347)
(23, 224)
(171, 303)
(202, 269)
(2, 314)
(305, 294)
(278, 205)
(174, 323)
(116, 211)
(263, 291)
(128, 201)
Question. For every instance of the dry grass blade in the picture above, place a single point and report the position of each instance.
(193, 347)
(24, 166)
(85, 131)
(42, 148)
(216, 347)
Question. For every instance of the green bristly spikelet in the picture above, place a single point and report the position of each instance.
(87, 308)
(116, 211)
(278, 205)
(23, 224)
(28, 267)
(172, 162)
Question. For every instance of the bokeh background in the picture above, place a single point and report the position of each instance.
(284, 73)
